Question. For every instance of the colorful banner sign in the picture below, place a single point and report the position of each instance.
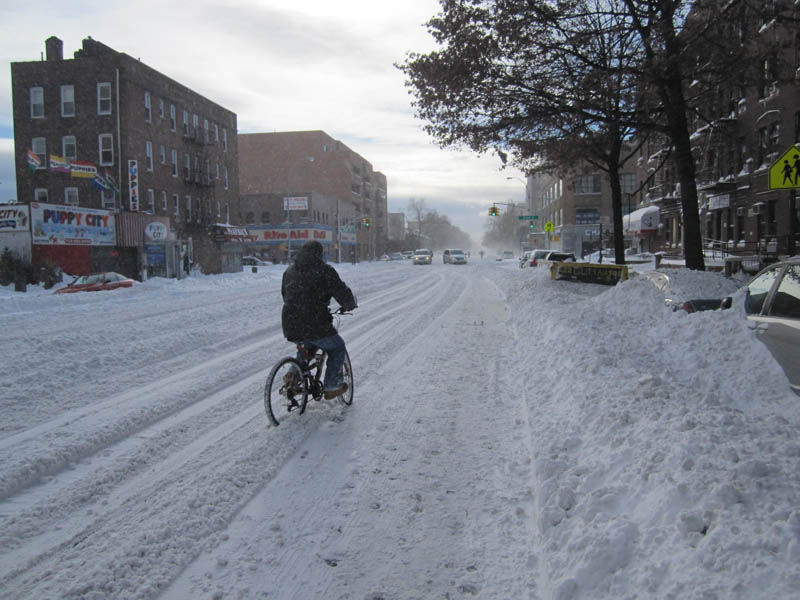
(295, 203)
(14, 217)
(133, 185)
(59, 164)
(57, 224)
(34, 162)
(82, 169)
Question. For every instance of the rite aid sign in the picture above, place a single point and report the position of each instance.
(155, 231)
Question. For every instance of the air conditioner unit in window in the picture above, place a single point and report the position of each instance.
(755, 210)
(740, 211)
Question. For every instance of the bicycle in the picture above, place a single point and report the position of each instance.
(293, 379)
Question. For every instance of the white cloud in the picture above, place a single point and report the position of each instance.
(284, 66)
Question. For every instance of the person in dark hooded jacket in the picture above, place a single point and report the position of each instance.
(307, 288)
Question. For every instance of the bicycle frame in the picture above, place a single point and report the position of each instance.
(312, 359)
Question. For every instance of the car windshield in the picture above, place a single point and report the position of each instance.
(423, 252)
(84, 279)
(457, 252)
(758, 289)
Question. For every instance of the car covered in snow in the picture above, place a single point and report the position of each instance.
(454, 256)
(96, 283)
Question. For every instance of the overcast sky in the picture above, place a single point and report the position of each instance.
(281, 66)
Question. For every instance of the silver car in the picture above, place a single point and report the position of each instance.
(454, 256)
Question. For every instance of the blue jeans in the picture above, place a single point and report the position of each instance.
(334, 346)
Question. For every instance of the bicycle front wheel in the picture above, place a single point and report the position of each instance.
(347, 397)
(286, 390)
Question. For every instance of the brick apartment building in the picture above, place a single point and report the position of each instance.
(735, 142)
(335, 196)
(103, 134)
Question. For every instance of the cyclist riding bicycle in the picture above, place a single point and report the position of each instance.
(307, 288)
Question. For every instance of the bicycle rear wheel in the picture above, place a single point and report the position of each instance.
(347, 397)
(286, 390)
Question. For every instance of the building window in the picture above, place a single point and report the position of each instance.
(163, 201)
(69, 148)
(148, 154)
(196, 127)
(161, 107)
(37, 103)
(227, 212)
(67, 101)
(249, 218)
(71, 196)
(207, 173)
(225, 140)
(225, 172)
(174, 159)
(39, 147)
(103, 98)
(40, 195)
(587, 216)
(186, 123)
(205, 131)
(108, 199)
(163, 154)
(106, 143)
(148, 111)
(172, 119)
(587, 184)
(187, 167)
(188, 209)
(219, 210)
(216, 132)
(265, 217)
(151, 201)
(628, 182)
(176, 207)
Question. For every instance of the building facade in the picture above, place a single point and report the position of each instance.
(104, 132)
(307, 185)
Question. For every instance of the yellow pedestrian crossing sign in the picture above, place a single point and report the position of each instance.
(549, 227)
(784, 174)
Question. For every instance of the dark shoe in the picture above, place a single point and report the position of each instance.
(338, 391)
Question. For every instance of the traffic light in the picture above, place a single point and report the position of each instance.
(494, 211)
(367, 222)
(531, 225)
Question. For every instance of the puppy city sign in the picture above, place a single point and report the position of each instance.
(784, 174)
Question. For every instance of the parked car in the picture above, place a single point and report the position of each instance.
(550, 257)
(454, 256)
(408, 254)
(96, 283)
(395, 256)
(535, 257)
(385, 257)
(422, 256)
(525, 259)
(771, 301)
(252, 261)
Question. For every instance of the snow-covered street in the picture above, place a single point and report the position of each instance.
(510, 437)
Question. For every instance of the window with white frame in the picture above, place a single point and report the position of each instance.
(187, 167)
(219, 209)
(163, 201)
(216, 132)
(627, 182)
(161, 107)
(69, 147)
(224, 140)
(205, 131)
(176, 207)
(40, 195)
(148, 109)
(217, 171)
(39, 147)
(188, 208)
(227, 212)
(71, 196)
(163, 153)
(186, 122)
(105, 142)
(196, 126)
(172, 119)
(174, 159)
(67, 101)
(37, 103)
(151, 201)
(104, 98)
(108, 199)
(225, 172)
(148, 155)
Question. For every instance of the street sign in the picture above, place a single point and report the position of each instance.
(295, 203)
(784, 174)
(527, 217)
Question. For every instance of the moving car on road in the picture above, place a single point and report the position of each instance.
(454, 256)
(422, 256)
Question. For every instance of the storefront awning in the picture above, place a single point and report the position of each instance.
(642, 220)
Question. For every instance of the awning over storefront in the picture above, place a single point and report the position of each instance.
(642, 220)
(232, 234)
